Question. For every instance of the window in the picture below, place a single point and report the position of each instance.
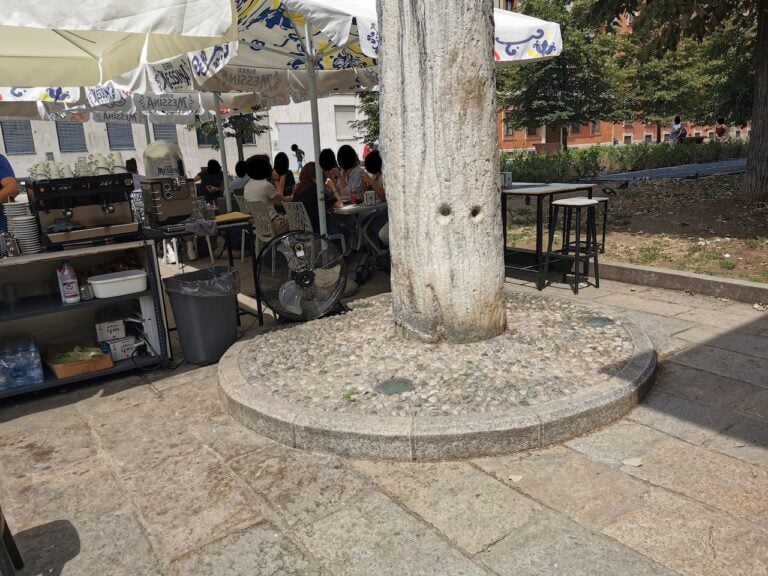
(666, 137)
(165, 132)
(595, 126)
(627, 138)
(648, 138)
(628, 124)
(711, 135)
(205, 140)
(509, 130)
(532, 131)
(344, 115)
(738, 133)
(120, 136)
(697, 134)
(509, 4)
(17, 135)
(71, 137)
(576, 129)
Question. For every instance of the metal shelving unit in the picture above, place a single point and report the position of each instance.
(33, 309)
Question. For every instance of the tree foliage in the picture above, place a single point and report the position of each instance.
(573, 89)
(368, 126)
(242, 127)
(663, 23)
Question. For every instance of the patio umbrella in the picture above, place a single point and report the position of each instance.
(86, 42)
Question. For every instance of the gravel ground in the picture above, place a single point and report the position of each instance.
(553, 348)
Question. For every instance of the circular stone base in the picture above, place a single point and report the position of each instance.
(349, 385)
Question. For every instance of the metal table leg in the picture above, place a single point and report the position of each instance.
(504, 220)
(540, 281)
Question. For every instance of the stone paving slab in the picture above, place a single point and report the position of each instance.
(300, 486)
(722, 482)
(259, 549)
(682, 418)
(202, 499)
(691, 538)
(742, 367)
(551, 544)
(589, 493)
(468, 506)
(380, 538)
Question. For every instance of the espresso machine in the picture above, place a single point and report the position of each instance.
(168, 196)
(86, 208)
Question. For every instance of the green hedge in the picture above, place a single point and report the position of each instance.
(580, 163)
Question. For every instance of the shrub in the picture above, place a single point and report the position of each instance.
(584, 163)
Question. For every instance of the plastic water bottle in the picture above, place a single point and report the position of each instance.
(70, 291)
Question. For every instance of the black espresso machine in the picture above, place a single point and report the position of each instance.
(84, 208)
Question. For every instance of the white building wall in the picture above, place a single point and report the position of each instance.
(301, 113)
(46, 140)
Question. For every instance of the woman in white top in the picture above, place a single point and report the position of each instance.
(260, 189)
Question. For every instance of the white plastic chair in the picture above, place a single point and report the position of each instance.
(298, 219)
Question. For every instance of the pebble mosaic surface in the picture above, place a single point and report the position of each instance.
(355, 363)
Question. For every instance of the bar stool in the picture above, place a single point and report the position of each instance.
(590, 247)
(603, 200)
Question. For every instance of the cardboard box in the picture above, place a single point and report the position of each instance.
(110, 330)
(121, 349)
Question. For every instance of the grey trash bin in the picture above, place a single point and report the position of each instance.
(204, 305)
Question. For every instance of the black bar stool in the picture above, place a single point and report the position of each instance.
(586, 251)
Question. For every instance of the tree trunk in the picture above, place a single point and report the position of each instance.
(239, 141)
(756, 182)
(438, 140)
(658, 132)
(564, 137)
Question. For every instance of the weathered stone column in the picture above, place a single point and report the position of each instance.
(439, 144)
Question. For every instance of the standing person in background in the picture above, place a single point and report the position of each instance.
(133, 169)
(720, 128)
(9, 187)
(299, 153)
(676, 130)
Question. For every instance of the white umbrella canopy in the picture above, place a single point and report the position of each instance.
(86, 42)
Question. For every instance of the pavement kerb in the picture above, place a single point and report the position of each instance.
(733, 289)
(437, 438)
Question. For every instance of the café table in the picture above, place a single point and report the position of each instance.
(515, 258)
(359, 214)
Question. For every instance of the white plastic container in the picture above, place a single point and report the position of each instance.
(118, 283)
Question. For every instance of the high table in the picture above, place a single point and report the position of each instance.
(360, 212)
(539, 191)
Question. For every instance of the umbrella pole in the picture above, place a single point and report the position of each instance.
(222, 148)
(146, 130)
(315, 127)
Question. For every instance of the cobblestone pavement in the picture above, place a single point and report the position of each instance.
(147, 475)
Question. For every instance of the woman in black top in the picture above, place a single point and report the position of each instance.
(281, 169)
(211, 182)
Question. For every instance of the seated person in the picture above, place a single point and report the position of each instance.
(330, 168)
(282, 169)
(260, 189)
(237, 185)
(374, 179)
(350, 174)
(211, 181)
(306, 193)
